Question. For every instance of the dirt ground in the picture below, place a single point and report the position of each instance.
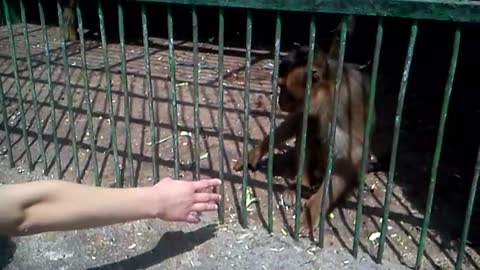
(148, 244)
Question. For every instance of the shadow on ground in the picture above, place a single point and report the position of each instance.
(7, 250)
(170, 245)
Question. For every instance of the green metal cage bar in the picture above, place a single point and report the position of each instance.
(439, 144)
(246, 111)
(6, 128)
(306, 109)
(367, 134)
(396, 136)
(273, 119)
(126, 100)
(21, 105)
(196, 112)
(332, 129)
(108, 79)
(71, 116)
(445, 10)
(53, 118)
(468, 214)
(153, 131)
(173, 92)
(372, 92)
(92, 137)
(33, 89)
(14, 16)
(221, 145)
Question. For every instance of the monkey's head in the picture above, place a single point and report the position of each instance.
(292, 78)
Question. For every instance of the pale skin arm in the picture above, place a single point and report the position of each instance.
(53, 205)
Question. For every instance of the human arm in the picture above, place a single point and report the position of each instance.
(53, 205)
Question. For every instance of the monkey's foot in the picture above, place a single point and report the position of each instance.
(309, 221)
(305, 228)
(305, 232)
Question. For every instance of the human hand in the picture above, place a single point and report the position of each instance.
(178, 200)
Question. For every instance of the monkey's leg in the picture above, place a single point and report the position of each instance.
(342, 182)
(310, 164)
(286, 130)
(313, 170)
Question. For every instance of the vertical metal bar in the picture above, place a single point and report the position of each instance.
(108, 79)
(53, 118)
(5, 126)
(71, 116)
(153, 132)
(126, 101)
(306, 109)
(246, 101)
(332, 128)
(173, 92)
(221, 145)
(38, 124)
(196, 93)
(13, 50)
(439, 144)
(396, 136)
(87, 95)
(273, 119)
(468, 214)
(366, 136)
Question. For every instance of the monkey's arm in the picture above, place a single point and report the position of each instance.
(286, 130)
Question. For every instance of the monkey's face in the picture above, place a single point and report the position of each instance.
(292, 89)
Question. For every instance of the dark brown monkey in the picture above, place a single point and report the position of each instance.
(349, 133)
(70, 27)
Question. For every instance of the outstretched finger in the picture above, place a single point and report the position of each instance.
(202, 207)
(206, 183)
(206, 197)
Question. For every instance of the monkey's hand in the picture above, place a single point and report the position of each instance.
(289, 197)
(310, 217)
(254, 156)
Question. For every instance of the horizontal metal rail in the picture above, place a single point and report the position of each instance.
(445, 10)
